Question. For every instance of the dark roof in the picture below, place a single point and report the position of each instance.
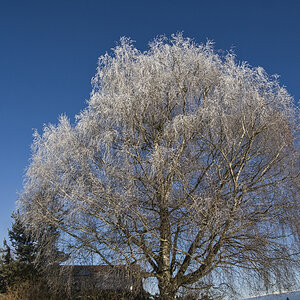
(104, 277)
(106, 268)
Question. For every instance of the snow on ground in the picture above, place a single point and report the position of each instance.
(281, 296)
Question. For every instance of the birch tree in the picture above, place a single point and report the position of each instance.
(183, 162)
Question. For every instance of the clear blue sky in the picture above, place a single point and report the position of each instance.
(49, 51)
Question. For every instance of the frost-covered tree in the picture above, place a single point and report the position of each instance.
(183, 161)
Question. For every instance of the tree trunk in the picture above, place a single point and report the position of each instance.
(167, 290)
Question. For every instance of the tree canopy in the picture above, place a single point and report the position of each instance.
(184, 161)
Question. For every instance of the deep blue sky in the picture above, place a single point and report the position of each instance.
(49, 51)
